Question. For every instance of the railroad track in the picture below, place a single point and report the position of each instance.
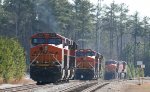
(101, 85)
(73, 86)
(33, 87)
(19, 88)
(88, 86)
(25, 88)
(95, 87)
(78, 87)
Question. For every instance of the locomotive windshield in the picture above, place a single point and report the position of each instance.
(38, 40)
(110, 62)
(90, 53)
(80, 54)
(56, 41)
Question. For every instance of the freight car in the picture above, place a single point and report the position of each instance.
(88, 64)
(115, 69)
(52, 58)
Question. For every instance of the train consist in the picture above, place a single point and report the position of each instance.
(88, 64)
(52, 57)
(115, 69)
(55, 58)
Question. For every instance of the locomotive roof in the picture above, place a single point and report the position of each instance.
(85, 50)
(51, 35)
(111, 60)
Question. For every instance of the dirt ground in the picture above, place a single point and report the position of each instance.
(21, 81)
(145, 87)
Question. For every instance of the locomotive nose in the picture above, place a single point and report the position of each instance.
(111, 67)
(43, 48)
(83, 58)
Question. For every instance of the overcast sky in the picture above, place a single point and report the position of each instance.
(142, 6)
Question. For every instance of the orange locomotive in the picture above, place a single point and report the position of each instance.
(52, 57)
(88, 64)
(115, 69)
(110, 69)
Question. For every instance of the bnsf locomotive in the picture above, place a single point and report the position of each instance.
(88, 64)
(115, 69)
(52, 57)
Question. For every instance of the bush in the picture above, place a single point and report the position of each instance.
(133, 72)
(12, 60)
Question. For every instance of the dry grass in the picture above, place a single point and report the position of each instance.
(1, 80)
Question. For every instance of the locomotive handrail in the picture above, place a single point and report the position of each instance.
(79, 63)
(55, 59)
(39, 55)
(35, 58)
(90, 64)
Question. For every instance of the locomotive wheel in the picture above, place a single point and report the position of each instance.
(39, 83)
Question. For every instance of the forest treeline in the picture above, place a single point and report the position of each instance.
(109, 29)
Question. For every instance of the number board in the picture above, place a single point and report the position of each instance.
(41, 35)
(52, 35)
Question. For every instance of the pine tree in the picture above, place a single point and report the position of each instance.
(12, 60)
(83, 19)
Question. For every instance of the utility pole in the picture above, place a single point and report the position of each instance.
(17, 17)
(111, 29)
(97, 42)
(135, 38)
(121, 30)
(37, 17)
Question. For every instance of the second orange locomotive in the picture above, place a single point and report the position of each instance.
(88, 64)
